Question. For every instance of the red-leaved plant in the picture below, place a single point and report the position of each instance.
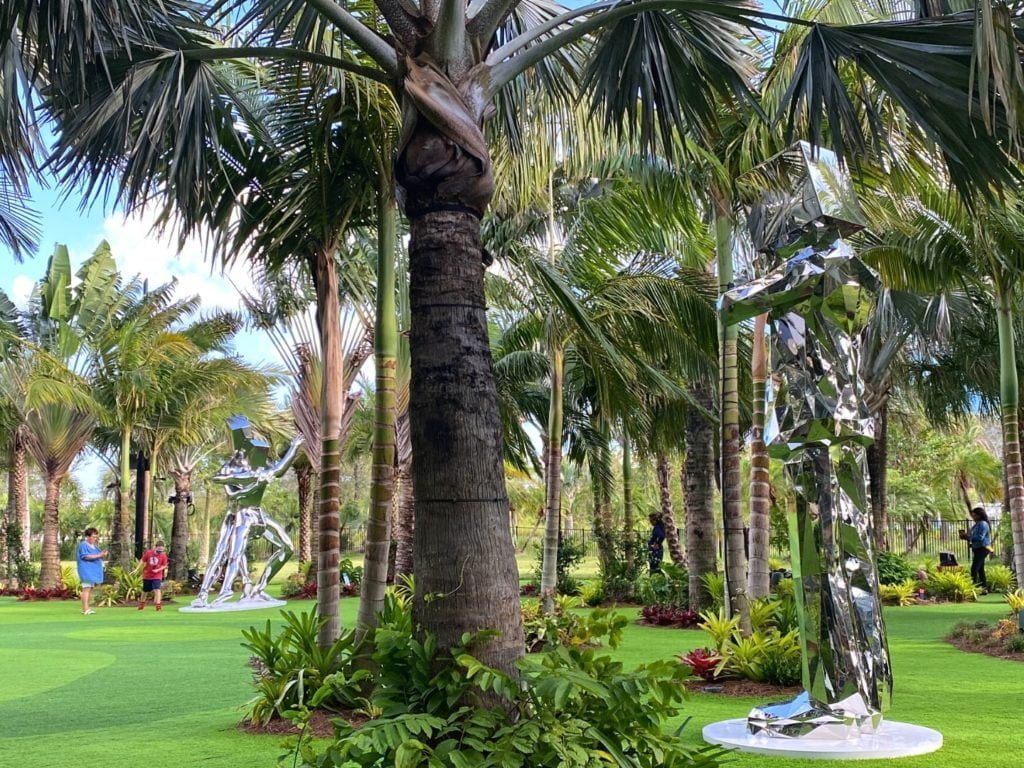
(667, 616)
(702, 662)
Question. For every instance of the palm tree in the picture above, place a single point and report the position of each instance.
(446, 64)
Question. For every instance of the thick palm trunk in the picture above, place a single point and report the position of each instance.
(405, 525)
(332, 401)
(304, 490)
(466, 575)
(664, 471)
(628, 523)
(1008, 386)
(49, 573)
(121, 545)
(382, 491)
(758, 582)
(877, 460)
(735, 536)
(553, 486)
(178, 558)
(698, 497)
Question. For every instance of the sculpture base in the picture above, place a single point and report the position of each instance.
(892, 739)
(239, 605)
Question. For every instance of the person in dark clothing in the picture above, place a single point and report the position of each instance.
(655, 545)
(979, 538)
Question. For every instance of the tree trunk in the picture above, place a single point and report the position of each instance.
(177, 559)
(698, 496)
(878, 471)
(1008, 390)
(121, 545)
(466, 574)
(332, 401)
(406, 518)
(758, 581)
(628, 524)
(382, 491)
(732, 512)
(553, 486)
(49, 573)
(303, 484)
(667, 515)
(17, 501)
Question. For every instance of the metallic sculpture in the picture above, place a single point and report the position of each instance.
(246, 477)
(819, 299)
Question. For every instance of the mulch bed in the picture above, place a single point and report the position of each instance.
(653, 625)
(319, 725)
(989, 650)
(745, 688)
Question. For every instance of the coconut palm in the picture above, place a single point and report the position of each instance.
(447, 64)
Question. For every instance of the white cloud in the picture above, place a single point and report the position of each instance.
(21, 289)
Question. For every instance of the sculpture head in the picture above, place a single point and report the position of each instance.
(243, 437)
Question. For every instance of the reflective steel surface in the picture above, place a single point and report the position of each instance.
(819, 298)
(246, 477)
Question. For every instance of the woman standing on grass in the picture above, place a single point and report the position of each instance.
(980, 539)
(90, 567)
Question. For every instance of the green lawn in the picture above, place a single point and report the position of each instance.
(122, 688)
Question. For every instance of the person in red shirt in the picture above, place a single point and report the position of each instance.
(154, 568)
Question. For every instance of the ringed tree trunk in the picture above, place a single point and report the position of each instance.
(121, 545)
(758, 581)
(553, 485)
(304, 486)
(878, 472)
(178, 557)
(698, 496)
(49, 572)
(735, 538)
(1008, 386)
(628, 524)
(664, 471)
(328, 578)
(406, 519)
(382, 490)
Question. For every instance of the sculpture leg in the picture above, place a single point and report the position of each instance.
(846, 670)
(235, 560)
(217, 563)
(276, 535)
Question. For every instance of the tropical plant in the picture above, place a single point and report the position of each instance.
(703, 662)
(719, 626)
(714, 588)
(893, 568)
(569, 628)
(763, 657)
(669, 587)
(1000, 579)
(898, 594)
(1015, 601)
(952, 584)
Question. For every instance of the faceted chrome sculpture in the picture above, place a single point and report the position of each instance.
(819, 299)
(246, 477)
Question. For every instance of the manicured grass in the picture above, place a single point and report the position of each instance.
(123, 688)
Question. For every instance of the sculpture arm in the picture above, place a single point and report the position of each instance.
(284, 463)
(789, 284)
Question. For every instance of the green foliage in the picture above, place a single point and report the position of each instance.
(291, 670)
(893, 568)
(1015, 600)
(720, 627)
(568, 628)
(592, 593)
(1015, 644)
(768, 657)
(762, 613)
(570, 554)
(670, 587)
(127, 584)
(999, 578)
(355, 572)
(786, 617)
(573, 708)
(714, 585)
(952, 584)
(69, 578)
(618, 577)
(898, 594)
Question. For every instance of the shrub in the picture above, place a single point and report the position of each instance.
(354, 573)
(667, 616)
(618, 577)
(592, 594)
(898, 594)
(529, 590)
(568, 628)
(952, 584)
(775, 564)
(762, 613)
(1015, 644)
(999, 578)
(784, 589)
(714, 586)
(770, 657)
(1015, 600)
(786, 616)
(893, 568)
(291, 670)
(670, 587)
(69, 578)
(59, 592)
(703, 663)
(570, 553)
(127, 584)
(719, 627)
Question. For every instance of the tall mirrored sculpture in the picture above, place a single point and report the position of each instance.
(245, 478)
(818, 296)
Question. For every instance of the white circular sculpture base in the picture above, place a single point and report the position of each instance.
(892, 739)
(240, 605)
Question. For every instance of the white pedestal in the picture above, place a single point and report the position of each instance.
(892, 739)
(239, 605)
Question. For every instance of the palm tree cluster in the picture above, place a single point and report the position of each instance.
(99, 361)
(603, 153)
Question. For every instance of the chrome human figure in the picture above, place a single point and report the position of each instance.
(246, 479)
(818, 299)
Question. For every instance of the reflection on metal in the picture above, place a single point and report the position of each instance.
(246, 477)
(819, 298)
